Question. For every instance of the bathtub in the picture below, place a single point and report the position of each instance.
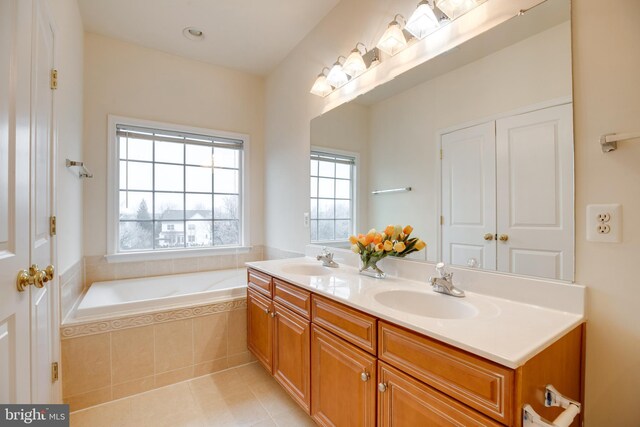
(115, 297)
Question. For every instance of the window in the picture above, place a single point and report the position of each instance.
(176, 188)
(332, 196)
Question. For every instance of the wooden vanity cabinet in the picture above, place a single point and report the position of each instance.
(260, 328)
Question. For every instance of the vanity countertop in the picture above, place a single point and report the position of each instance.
(504, 331)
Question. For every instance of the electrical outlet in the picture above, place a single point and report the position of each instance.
(306, 220)
(604, 223)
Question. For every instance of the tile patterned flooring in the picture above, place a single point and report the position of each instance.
(242, 396)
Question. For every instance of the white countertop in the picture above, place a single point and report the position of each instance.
(506, 332)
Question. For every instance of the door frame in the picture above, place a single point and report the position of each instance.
(554, 102)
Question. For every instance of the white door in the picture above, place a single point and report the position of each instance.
(15, 50)
(43, 301)
(535, 193)
(468, 196)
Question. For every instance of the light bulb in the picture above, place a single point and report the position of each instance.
(393, 40)
(320, 86)
(354, 64)
(456, 8)
(337, 77)
(423, 21)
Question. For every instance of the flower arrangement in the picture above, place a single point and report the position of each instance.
(374, 246)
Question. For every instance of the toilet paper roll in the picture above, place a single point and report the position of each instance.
(566, 418)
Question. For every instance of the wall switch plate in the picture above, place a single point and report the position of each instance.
(306, 220)
(604, 223)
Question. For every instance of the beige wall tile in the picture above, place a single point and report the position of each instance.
(158, 268)
(240, 359)
(85, 400)
(86, 364)
(210, 337)
(173, 345)
(237, 331)
(99, 273)
(185, 265)
(175, 376)
(208, 263)
(210, 367)
(136, 386)
(132, 354)
(130, 270)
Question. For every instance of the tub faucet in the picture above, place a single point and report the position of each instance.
(444, 283)
(327, 258)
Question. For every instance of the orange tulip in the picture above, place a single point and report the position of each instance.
(369, 238)
(363, 240)
(389, 230)
(353, 240)
(377, 238)
(407, 230)
(399, 247)
(388, 245)
(379, 247)
(420, 245)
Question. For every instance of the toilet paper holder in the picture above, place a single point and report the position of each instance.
(552, 397)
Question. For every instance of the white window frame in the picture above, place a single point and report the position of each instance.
(354, 192)
(113, 214)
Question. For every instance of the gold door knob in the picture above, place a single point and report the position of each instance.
(49, 272)
(503, 237)
(34, 276)
(488, 236)
(23, 280)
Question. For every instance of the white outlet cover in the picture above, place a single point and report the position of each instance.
(615, 223)
(306, 220)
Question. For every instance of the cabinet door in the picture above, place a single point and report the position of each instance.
(291, 354)
(260, 328)
(343, 381)
(405, 401)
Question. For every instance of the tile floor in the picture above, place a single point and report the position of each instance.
(242, 396)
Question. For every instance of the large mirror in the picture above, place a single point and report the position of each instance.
(474, 149)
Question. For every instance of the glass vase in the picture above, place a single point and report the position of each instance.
(369, 267)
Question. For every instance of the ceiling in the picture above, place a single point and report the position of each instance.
(248, 35)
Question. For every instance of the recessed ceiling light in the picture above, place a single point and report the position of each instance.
(193, 33)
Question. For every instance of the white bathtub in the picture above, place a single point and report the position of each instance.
(148, 294)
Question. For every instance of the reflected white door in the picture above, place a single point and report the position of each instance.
(42, 299)
(468, 196)
(15, 50)
(535, 193)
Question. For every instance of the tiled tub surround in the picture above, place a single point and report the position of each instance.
(112, 358)
(71, 287)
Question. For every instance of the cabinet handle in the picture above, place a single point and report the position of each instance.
(364, 376)
(382, 387)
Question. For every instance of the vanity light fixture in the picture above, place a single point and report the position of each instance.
(354, 64)
(321, 87)
(456, 8)
(393, 39)
(423, 21)
(337, 76)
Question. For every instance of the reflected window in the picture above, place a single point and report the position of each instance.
(332, 196)
(178, 190)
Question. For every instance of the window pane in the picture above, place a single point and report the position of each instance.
(325, 230)
(226, 158)
(314, 208)
(325, 208)
(343, 209)
(136, 235)
(225, 181)
(327, 169)
(169, 178)
(314, 168)
(140, 149)
(342, 229)
(226, 233)
(314, 187)
(135, 205)
(326, 187)
(226, 207)
(198, 179)
(199, 233)
(200, 205)
(343, 171)
(169, 234)
(343, 189)
(169, 152)
(199, 155)
(168, 206)
(314, 230)
(123, 174)
(139, 176)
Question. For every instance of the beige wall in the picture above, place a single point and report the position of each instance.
(133, 81)
(68, 111)
(606, 61)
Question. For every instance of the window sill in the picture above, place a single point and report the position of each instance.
(174, 254)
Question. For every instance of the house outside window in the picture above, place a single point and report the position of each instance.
(332, 196)
(176, 188)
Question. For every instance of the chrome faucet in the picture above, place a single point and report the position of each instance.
(327, 258)
(444, 283)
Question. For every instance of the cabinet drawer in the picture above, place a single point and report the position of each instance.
(292, 297)
(356, 327)
(407, 402)
(260, 282)
(483, 385)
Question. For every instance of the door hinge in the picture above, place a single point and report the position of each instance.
(441, 220)
(54, 372)
(441, 154)
(54, 79)
(52, 225)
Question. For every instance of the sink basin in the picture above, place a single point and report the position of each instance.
(307, 269)
(427, 305)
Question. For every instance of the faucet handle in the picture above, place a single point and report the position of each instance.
(440, 268)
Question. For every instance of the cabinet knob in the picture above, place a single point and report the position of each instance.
(266, 311)
(488, 237)
(382, 387)
(273, 314)
(364, 376)
(503, 237)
